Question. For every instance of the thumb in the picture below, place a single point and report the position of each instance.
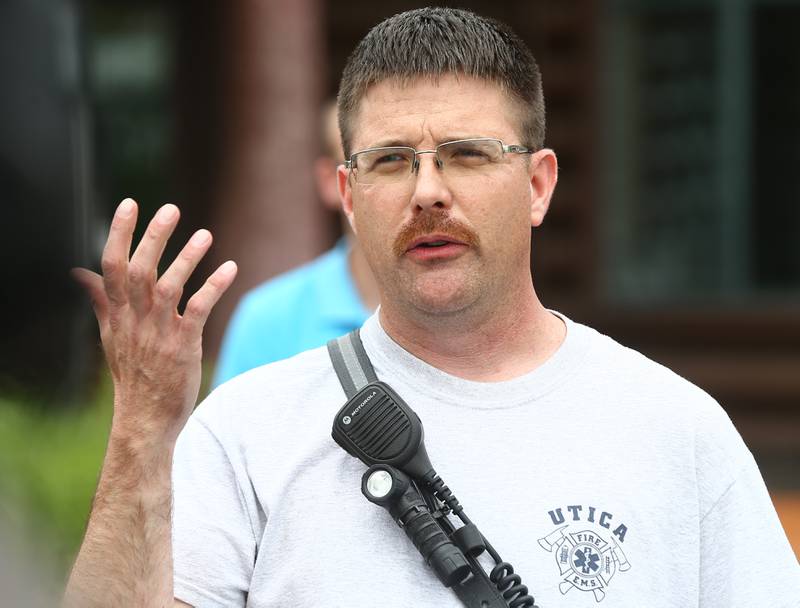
(92, 284)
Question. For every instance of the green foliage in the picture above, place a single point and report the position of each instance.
(49, 465)
(50, 461)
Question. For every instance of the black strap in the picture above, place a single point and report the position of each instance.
(351, 363)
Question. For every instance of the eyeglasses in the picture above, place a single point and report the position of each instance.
(460, 158)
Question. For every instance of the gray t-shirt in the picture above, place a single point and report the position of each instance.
(601, 476)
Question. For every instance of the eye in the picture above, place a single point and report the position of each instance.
(393, 157)
(387, 161)
(471, 152)
(469, 155)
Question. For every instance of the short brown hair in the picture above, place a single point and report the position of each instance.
(431, 42)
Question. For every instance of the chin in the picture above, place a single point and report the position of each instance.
(442, 297)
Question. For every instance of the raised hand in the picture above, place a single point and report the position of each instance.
(154, 354)
(153, 351)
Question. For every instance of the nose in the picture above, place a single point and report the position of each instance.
(430, 188)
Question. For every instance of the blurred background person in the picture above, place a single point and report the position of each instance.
(307, 306)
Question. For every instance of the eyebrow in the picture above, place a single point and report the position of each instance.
(400, 143)
(390, 143)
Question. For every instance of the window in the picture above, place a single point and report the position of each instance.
(703, 158)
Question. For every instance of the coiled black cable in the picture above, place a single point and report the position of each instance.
(443, 493)
(502, 575)
(511, 587)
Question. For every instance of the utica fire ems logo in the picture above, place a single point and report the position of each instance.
(586, 559)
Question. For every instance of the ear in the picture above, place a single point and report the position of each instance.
(325, 180)
(345, 193)
(544, 175)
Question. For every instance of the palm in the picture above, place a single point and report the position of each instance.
(153, 351)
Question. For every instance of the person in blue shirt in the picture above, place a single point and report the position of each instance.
(307, 306)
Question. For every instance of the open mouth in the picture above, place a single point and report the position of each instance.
(433, 241)
(431, 248)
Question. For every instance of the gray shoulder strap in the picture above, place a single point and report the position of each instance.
(351, 363)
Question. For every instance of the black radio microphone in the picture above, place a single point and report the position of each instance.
(378, 427)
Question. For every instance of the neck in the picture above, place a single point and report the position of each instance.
(500, 344)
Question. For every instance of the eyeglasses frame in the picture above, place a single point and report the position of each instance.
(351, 163)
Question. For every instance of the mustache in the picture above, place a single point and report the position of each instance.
(430, 223)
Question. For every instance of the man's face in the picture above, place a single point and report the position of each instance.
(484, 219)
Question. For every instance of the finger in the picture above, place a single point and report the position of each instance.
(200, 304)
(170, 286)
(92, 283)
(115, 254)
(143, 267)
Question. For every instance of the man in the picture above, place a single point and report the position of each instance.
(597, 473)
(307, 306)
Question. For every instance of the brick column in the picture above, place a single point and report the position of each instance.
(265, 214)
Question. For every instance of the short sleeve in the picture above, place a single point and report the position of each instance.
(213, 537)
(745, 557)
